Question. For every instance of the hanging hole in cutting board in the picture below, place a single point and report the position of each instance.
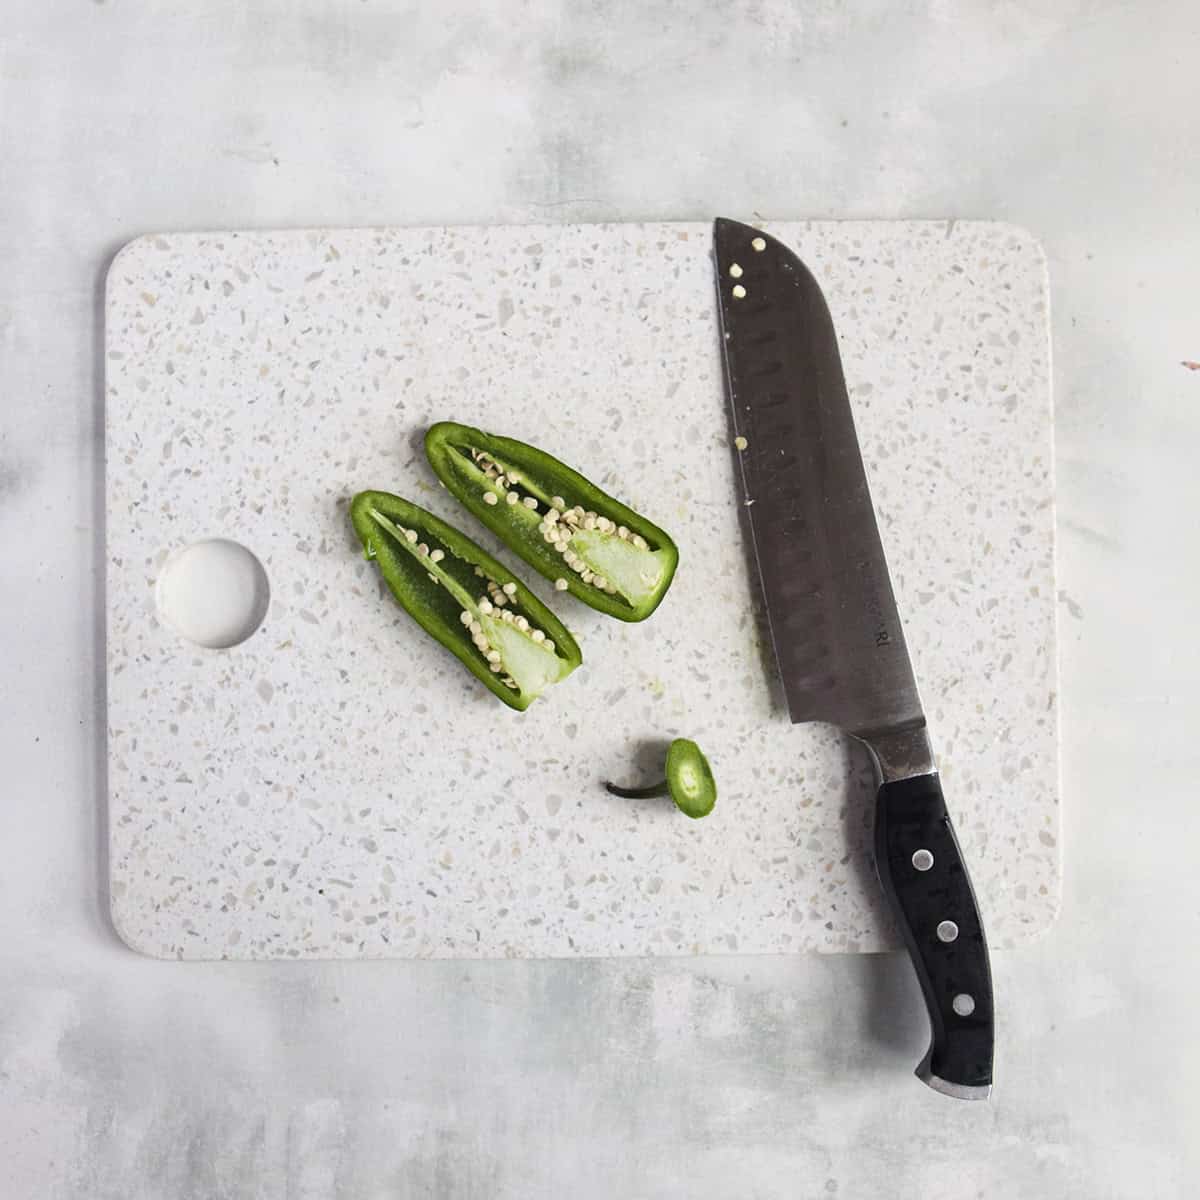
(214, 592)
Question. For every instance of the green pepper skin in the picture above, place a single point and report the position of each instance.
(448, 446)
(435, 606)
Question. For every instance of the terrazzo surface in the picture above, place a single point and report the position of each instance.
(337, 786)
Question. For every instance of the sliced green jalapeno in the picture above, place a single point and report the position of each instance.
(468, 601)
(689, 781)
(556, 520)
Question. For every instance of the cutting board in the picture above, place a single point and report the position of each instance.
(337, 786)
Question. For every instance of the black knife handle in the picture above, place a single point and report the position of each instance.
(922, 872)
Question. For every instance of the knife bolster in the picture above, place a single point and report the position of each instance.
(922, 871)
(900, 751)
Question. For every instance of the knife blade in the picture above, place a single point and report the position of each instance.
(837, 635)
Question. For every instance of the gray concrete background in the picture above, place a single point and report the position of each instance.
(737, 1077)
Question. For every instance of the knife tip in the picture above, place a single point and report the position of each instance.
(731, 235)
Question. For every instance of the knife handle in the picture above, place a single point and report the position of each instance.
(923, 874)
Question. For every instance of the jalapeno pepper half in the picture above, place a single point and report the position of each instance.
(461, 595)
(560, 523)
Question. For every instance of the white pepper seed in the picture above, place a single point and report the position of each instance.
(465, 617)
(560, 585)
(551, 515)
(490, 498)
(510, 588)
(410, 535)
(530, 502)
(436, 555)
(475, 628)
(577, 565)
(485, 605)
(538, 635)
(480, 641)
(622, 532)
(561, 547)
(495, 666)
(512, 497)
(422, 549)
(499, 599)
(558, 502)
(513, 477)
(589, 523)
(522, 624)
(601, 582)
(640, 542)
(548, 644)
(493, 656)
(587, 576)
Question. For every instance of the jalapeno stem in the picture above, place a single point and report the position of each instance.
(642, 793)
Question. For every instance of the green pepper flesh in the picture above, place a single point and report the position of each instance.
(435, 589)
(637, 576)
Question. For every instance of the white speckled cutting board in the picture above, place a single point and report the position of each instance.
(337, 785)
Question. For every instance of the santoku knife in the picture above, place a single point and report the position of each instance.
(837, 635)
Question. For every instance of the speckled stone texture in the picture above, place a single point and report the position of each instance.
(338, 786)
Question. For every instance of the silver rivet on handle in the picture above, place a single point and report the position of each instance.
(922, 860)
(947, 931)
(963, 1004)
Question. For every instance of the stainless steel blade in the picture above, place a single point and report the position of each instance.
(837, 635)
